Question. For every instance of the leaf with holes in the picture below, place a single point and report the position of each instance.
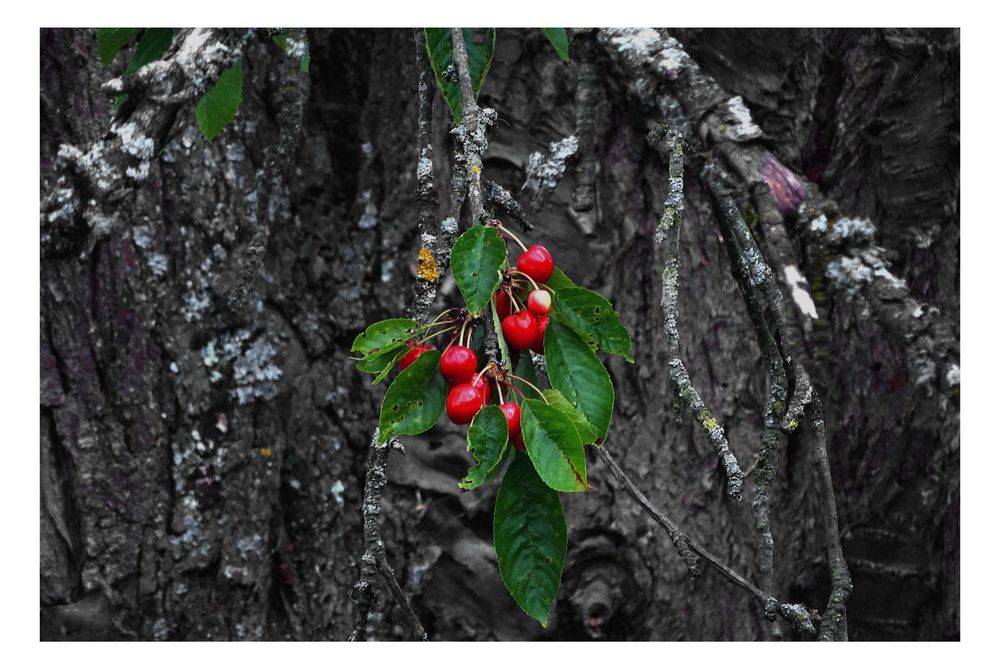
(529, 533)
(218, 107)
(479, 48)
(554, 446)
(476, 260)
(111, 40)
(486, 439)
(559, 40)
(578, 374)
(415, 400)
(588, 434)
(384, 336)
(594, 319)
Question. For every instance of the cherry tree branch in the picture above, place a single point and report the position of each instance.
(668, 237)
(690, 550)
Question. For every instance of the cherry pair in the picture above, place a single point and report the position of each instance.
(525, 329)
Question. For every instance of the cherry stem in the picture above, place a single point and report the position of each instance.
(436, 334)
(440, 316)
(516, 389)
(517, 271)
(530, 385)
(510, 234)
(499, 390)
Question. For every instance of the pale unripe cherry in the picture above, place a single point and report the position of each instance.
(539, 301)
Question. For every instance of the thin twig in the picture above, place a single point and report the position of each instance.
(668, 236)
(688, 549)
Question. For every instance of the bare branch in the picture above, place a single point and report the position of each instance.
(668, 236)
(690, 550)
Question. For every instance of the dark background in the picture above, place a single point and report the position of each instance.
(202, 470)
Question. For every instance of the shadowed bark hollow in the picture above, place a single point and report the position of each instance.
(202, 465)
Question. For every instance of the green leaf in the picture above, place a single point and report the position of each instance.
(595, 319)
(554, 446)
(487, 439)
(559, 281)
(415, 400)
(111, 40)
(476, 260)
(153, 43)
(577, 373)
(383, 336)
(588, 434)
(383, 363)
(439, 50)
(501, 342)
(217, 108)
(526, 370)
(559, 41)
(529, 533)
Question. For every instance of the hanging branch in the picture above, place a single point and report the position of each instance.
(472, 137)
(668, 237)
(433, 261)
(689, 551)
(766, 307)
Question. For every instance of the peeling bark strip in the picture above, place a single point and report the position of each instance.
(668, 236)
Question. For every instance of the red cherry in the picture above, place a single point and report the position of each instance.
(536, 262)
(416, 350)
(512, 413)
(484, 387)
(520, 329)
(539, 301)
(464, 402)
(503, 304)
(458, 364)
(541, 322)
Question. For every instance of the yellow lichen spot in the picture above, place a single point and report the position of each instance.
(793, 425)
(266, 452)
(475, 169)
(427, 267)
(709, 424)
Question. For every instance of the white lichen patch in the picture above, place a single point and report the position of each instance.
(158, 264)
(818, 224)
(635, 44)
(255, 373)
(425, 168)
(800, 293)
(337, 490)
(449, 226)
(544, 173)
(953, 376)
(857, 231)
(919, 311)
(142, 237)
(388, 265)
(848, 273)
(369, 212)
(740, 126)
(195, 304)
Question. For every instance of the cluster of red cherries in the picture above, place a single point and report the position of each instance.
(523, 322)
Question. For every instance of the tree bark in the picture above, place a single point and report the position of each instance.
(203, 464)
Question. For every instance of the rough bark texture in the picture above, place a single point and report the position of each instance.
(202, 466)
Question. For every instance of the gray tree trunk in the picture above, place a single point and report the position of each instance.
(202, 466)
